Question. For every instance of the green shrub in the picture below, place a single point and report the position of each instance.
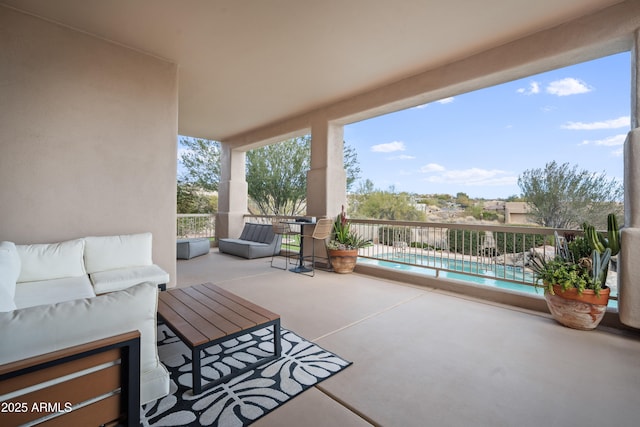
(490, 216)
(579, 247)
(517, 242)
(465, 241)
(422, 245)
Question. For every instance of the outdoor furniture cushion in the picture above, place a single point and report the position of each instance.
(256, 241)
(29, 294)
(189, 248)
(257, 233)
(45, 261)
(114, 252)
(9, 272)
(42, 329)
(115, 280)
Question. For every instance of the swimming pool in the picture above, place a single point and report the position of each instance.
(488, 269)
(428, 265)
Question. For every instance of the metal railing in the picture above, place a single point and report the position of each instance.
(491, 252)
(196, 225)
(480, 251)
(499, 252)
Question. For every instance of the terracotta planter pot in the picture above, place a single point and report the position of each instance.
(577, 311)
(343, 261)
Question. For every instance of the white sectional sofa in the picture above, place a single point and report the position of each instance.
(48, 299)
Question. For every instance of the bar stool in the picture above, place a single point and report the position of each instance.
(321, 232)
(281, 229)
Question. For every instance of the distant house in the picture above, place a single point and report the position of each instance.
(517, 213)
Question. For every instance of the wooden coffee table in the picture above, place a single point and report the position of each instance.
(206, 315)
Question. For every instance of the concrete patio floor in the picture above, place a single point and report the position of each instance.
(427, 357)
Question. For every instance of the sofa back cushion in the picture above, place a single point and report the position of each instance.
(262, 233)
(9, 272)
(104, 253)
(47, 261)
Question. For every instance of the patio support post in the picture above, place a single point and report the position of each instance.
(232, 192)
(628, 267)
(327, 179)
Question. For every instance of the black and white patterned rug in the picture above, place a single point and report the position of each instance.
(245, 398)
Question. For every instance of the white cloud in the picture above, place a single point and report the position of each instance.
(611, 141)
(620, 122)
(471, 176)
(534, 88)
(389, 147)
(568, 86)
(402, 157)
(448, 100)
(432, 167)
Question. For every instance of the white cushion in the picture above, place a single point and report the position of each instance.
(9, 272)
(29, 294)
(113, 252)
(37, 330)
(114, 280)
(51, 261)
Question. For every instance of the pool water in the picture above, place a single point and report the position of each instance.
(427, 265)
(485, 269)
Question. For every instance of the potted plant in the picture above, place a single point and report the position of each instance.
(576, 290)
(344, 244)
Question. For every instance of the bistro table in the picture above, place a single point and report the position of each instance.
(300, 268)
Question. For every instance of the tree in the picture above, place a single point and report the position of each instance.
(388, 205)
(351, 165)
(463, 199)
(561, 196)
(191, 200)
(201, 161)
(277, 176)
(366, 187)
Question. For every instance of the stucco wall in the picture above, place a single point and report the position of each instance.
(88, 134)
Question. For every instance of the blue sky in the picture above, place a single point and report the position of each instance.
(480, 142)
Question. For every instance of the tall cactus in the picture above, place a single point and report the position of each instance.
(614, 234)
(599, 242)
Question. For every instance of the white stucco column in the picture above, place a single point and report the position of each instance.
(327, 179)
(232, 192)
(629, 267)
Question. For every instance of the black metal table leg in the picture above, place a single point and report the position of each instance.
(301, 268)
(197, 374)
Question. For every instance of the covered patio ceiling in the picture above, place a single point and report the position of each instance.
(246, 64)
